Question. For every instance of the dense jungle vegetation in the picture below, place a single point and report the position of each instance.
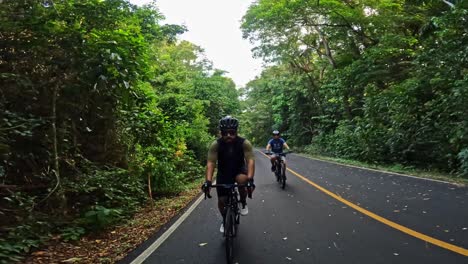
(377, 81)
(102, 106)
(99, 104)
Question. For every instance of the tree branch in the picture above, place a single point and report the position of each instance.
(448, 3)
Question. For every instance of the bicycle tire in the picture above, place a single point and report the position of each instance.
(278, 172)
(229, 235)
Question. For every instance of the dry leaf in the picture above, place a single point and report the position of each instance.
(71, 260)
(39, 253)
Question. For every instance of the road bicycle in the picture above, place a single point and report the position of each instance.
(231, 218)
(280, 167)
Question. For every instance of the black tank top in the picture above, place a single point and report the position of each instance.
(231, 160)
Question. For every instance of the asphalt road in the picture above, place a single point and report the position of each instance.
(302, 224)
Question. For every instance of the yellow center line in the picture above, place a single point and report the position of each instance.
(383, 220)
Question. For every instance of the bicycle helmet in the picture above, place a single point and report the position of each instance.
(228, 122)
(275, 132)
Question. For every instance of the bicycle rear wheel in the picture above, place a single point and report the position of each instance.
(229, 235)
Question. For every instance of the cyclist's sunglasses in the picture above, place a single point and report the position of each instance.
(226, 132)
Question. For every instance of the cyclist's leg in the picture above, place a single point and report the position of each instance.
(273, 159)
(284, 165)
(223, 193)
(222, 200)
(242, 179)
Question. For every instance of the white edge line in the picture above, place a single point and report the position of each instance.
(145, 254)
(381, 171)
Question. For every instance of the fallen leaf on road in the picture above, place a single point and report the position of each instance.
(288, 258)
(298, 249)
(464, 228)
(308, 248)
(203, 244)
(396, 211)
(285, 238)
(396, 254)
(334, 244)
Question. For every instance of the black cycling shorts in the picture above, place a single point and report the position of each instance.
(221, 191)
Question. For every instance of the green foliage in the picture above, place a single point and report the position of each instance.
(99, 217)
(378, 81)
(463, 157)
(21, 239)
(98, 100)
(72, 233)
(106, 187)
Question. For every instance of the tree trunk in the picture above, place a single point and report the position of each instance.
(59, 193)
(328, 53)
(150, 193)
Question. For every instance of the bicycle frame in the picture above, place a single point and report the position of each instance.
(280, 168)
(231, 217)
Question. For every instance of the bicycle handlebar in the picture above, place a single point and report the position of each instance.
(281, 154)
(227, 186)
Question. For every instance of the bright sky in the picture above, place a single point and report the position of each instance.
(214, 25)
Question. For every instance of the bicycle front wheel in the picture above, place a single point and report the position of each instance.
(229, 235)
(283, 178)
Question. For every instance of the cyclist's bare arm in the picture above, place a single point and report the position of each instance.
(250, 158)
(211, 161)
(286, 145)
(268, 147)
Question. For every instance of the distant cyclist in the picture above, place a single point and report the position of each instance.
(276, 145)
(235, 163)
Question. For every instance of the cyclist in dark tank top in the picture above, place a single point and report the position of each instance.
(234, 159)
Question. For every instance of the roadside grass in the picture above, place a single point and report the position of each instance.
(395, 168)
